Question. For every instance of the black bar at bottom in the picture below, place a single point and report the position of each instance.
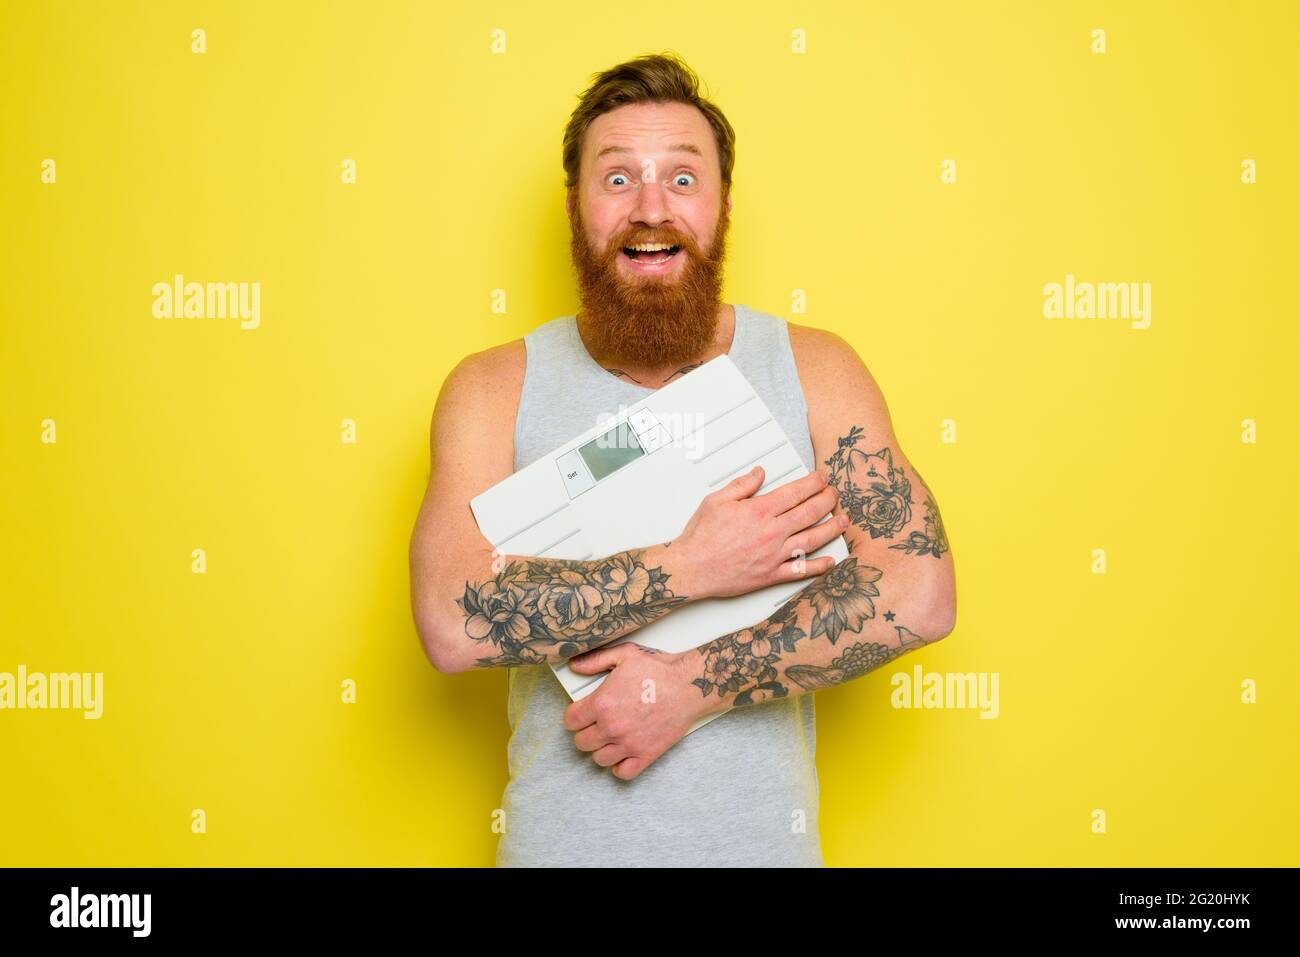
(335, 906)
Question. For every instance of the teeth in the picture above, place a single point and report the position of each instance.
(651, 247)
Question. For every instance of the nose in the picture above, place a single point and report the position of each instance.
(651, 207)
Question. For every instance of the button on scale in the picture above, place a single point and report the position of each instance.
(642, 420)
(653, 438)
(648, 431)
(577, 479)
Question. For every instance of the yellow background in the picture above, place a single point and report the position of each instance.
(222, 691)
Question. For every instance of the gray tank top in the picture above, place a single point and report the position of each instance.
(740, 791)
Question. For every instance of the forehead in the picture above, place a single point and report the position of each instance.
(650, 130)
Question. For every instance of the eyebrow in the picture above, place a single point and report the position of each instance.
(677, 148)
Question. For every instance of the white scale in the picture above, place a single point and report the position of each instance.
(635, 481)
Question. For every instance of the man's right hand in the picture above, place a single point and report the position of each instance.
(738, 542)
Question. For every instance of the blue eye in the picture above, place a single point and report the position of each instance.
(686, 176)
(613, 175)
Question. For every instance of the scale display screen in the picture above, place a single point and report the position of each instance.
(608, 453)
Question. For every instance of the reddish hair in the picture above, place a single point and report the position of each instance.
(652, 78)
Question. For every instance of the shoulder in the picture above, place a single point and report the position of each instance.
(835, 380)
(827, 362)
(491, 369)
(813, 345)
(482, 390)
(816, 352)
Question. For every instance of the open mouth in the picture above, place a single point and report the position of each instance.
(651, 254)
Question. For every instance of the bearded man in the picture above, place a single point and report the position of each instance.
(611, 779)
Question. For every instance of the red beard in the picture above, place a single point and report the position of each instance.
(649, 322)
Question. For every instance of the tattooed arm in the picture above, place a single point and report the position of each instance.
(475, 609)
(896, 590)
(546, 610)
(829, 633)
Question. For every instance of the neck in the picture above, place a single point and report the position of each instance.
(654, 377)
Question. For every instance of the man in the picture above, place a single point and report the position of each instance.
(610, 779)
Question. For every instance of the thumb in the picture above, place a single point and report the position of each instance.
(743, 486)
(594, 662)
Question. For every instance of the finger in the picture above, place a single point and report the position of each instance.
(810, 511)
(581, 714)
(743, 486)
(601, 659)
(798, 569)
(814, 537)
(629, 768)
(787, 496)
(610, 755)
(591, 738)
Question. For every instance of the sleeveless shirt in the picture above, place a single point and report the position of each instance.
(741, 791)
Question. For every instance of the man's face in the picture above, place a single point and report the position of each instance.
(650, 176)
